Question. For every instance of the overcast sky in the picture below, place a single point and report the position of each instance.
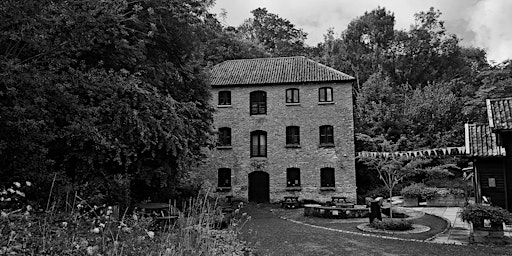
(482, 23)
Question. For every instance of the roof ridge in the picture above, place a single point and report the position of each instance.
(265, 58)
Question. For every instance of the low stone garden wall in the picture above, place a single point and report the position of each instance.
(333, 212)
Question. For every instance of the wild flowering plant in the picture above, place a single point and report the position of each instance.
(95, 230)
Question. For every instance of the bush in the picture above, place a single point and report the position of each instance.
(478, 212)
(392, 224)
(414, 190)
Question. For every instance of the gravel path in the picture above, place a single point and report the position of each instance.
(270, 235)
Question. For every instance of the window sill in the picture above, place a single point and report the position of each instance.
(327, 188)
(223, 189)
(224, 147)
(326, 103)
(330, 145)
(259, 115)
(224, 106)
(259, 157)
(292, 146)
(293, 104)
(298, 188)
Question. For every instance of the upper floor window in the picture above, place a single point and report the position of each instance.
(292, 95)
(258, 103)
(224, 136)
(327, 177)
(258, 144)
(293, 177)
(326, 135)
(292, 135)
(224, 177)
(325, 94)
(224, 98)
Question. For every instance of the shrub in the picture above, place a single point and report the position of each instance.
(414, 190)
(392, 224)
(478, 212)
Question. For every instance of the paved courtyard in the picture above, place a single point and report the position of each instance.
(271, 235)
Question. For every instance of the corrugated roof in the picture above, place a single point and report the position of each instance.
(274, 71)
(499, 112)
(481, 141)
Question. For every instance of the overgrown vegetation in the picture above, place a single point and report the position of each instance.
(96, 230)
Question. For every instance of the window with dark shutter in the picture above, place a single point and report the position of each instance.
(258, 103)
(293, 177)
(326, 135)
(258, 144)
(327, 177)
(325, 94)
(292, 136)
(292, 95)
(224, 98)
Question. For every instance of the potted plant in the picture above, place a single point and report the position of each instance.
(412, 194)
(487, 220)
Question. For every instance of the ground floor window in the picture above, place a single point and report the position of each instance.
(327, 177)
(224, 177)
(293, 177)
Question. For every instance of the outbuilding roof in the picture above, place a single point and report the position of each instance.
(282, 70)
(481, 141)
(499, 112)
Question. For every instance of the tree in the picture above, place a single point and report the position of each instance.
(426, 53)
(110, 95)
(277, 35)
(367, 40)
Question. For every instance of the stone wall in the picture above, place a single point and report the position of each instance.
(309, 115)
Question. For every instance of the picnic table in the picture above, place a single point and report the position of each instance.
(162, 213)
(291, 202)
(341, 201)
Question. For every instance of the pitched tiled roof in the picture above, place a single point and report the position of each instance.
(499, 112)
(481, 141)
(273, 71)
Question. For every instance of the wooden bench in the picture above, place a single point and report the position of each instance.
(291, 202)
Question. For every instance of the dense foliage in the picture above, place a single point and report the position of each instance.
(109, 95)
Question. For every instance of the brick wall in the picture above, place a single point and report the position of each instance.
(309, 115)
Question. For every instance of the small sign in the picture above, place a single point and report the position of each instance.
(487, 223)
(492, 182)
(335, 212)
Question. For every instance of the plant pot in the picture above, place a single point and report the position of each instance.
(446, 201)
(483, 234)
(411, 202)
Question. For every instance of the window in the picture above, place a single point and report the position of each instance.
(292, 136)
(293, 177)
(224, 98)
(258, 143)
(326, 135)
(224, 179)
(325, 94)
(327, 177)
(258, 103)
(224, 137)
(292, 96)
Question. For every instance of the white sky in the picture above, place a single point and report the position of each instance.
(483, 23)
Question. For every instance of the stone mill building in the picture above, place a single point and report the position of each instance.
(285, 128)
